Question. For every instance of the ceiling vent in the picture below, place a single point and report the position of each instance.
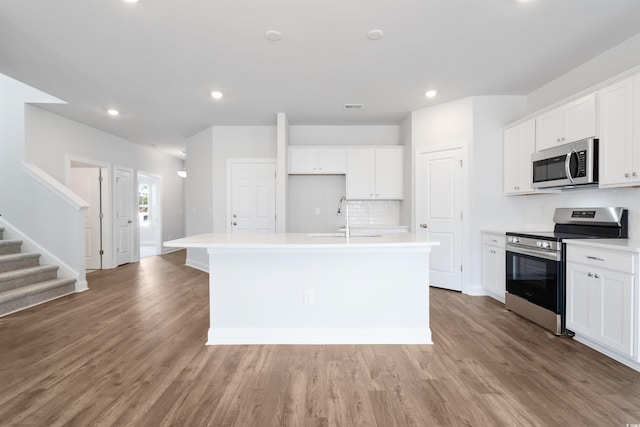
(352, 106)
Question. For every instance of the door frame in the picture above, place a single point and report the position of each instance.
(230, 163)
(158, 212)
(107, 230)
(427, 149)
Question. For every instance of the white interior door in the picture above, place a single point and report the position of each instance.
(253, 197)
(123, 210)
(440, 214)
(85, 182)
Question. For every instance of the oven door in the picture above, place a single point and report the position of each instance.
(536, 275)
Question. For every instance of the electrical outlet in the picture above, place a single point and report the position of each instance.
(308, 297)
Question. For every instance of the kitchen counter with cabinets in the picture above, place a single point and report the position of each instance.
(603, 296)
(299, 289)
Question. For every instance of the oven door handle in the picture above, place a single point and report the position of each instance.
(551, 256)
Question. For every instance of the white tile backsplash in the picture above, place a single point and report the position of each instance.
(374, 212)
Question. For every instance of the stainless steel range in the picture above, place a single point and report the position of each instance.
(535, 273)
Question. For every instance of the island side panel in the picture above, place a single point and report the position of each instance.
(369, 297)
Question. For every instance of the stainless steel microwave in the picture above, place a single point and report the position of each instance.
(568, 165)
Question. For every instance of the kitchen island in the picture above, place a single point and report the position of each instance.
(316, 289)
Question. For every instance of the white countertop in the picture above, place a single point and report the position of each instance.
(297, 240)
(630, 245)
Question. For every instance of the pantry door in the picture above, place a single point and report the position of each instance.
(439, 218)
(251, 196)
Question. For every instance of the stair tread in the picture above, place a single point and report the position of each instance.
(10, 242)
(18, 256)
(12, 274)
(34, 288)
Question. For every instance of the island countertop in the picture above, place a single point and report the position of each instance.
(299, 289)
(299, 241)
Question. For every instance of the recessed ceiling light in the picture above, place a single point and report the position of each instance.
(431, 93)
(130, 1)
(113, 112)
(375, 34)
(216, 94)
(273, 35)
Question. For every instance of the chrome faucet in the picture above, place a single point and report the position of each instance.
(347, 230)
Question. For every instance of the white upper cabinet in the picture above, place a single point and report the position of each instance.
(317, 160)
(616, 133)
(519, 144)
(375, 173)
(571, 122)
(619, 133)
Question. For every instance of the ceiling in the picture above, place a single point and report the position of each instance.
(158, 60)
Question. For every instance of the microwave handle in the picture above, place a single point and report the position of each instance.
(567, 165)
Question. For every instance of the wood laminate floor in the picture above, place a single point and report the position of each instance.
(131, 351)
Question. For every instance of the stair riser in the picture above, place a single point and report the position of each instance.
(10, 248)
(18, 264)
(30, 279)
(30, 300)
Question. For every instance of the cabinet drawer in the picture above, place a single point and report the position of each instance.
(493, 239)
(612, 260)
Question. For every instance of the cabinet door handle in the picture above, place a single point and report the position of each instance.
(494, 240)
(423, 225)
(634, 174)
(595, 258)
(590, 274)
(626, 175)
(596, 276)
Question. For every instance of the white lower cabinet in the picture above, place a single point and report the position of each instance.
(493, 265)
(602, 300)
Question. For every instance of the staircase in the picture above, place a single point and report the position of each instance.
(24, 282)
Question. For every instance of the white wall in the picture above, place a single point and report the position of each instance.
(614, 61)
(44, 214)
(344, 135)
(406, 205)
(443, 123)
(478, 121)
(206, 182)
(51, 139)
(308, 192)
(236, 142)
(199, 193)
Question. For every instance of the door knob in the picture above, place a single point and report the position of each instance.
(234, 223)
(423, 225)
(130, 222)
(235, 216)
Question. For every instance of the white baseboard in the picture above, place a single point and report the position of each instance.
(615, 356)
(317, 336)
(166, 251)
(474, 290)
(197, 265)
